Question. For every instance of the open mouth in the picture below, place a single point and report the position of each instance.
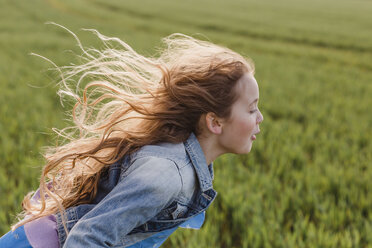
(254, 136)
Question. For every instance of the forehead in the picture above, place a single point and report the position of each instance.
(247, 88)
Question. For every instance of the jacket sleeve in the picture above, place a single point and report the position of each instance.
(152, 184)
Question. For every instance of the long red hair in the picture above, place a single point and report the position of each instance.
(130, 101)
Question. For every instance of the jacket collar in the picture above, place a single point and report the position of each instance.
(204, 172)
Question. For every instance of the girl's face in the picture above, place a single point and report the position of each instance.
(238, 132)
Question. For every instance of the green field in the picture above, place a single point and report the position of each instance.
(307, 181)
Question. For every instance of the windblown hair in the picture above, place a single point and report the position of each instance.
(129, 101)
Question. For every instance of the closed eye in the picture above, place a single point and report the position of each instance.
(253, 111)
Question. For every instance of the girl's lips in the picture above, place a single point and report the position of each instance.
(253, 137)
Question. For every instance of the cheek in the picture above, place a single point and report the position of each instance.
(245, 125)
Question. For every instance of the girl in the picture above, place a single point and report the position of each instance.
(140, 165)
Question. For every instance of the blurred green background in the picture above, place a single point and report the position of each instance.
(307, 181)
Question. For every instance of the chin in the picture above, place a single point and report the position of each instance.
(249, 148)
(240, 149)
(246, 150)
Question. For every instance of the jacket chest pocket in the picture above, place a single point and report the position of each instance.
(168, 218)
(173, 212)
(179, 211)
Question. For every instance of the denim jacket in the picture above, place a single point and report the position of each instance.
(147, 194)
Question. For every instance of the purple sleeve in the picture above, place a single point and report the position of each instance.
(42, 232)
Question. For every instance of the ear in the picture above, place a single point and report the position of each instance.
(213, 123)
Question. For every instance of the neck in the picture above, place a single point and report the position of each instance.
(209, 146)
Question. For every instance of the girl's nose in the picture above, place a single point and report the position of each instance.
(259, 117)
